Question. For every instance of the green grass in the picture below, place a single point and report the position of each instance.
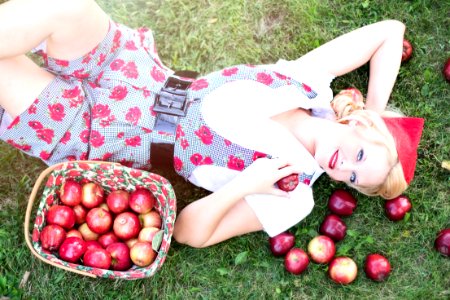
(205, 35)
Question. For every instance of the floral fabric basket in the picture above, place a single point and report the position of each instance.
(111, 176)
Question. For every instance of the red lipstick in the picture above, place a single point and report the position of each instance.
(333, 160)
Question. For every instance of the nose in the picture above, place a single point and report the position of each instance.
(346, 165)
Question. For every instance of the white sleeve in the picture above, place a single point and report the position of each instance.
(278, 214)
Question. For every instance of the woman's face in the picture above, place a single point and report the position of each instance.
(349, 156)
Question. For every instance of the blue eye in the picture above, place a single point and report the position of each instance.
(360, 155)
(353, 177)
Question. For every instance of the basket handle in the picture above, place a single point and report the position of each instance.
(30, 207)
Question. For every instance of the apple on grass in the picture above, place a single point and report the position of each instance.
(288, 183)
(397, 208)
(118, 201)
(334, 227)
(142, 201)
(120, 255)
(91, 195)
(142, 254)
(321, 249)
(296, 261)
(342, 270)
(446, 70)
(442, 242)
(281, 243)
(52, 236)
(377, 267)
(97, 258)
(70, 193)
(407, 50)
(342, 203)
(72, 249)
(99, 220)
(61, 215)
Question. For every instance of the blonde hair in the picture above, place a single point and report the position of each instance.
(348, 110)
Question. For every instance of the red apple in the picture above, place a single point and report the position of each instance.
(93, 245)
(142, 254)
(407, 50)
(92, 195)
(104, 206)
(72, 249)
(442, 242)
(356, 94)
(151, 219)
(281, 243)
(377, 267)
(120, 254)
(61, 215)
(147, 234)
(80, 214)
(52, 236)
(446, 70)
(118, 201)
(99, 220)
(288, 183)
(70, 193)
(397, 208)
(97, 258)
(87, 233)
(321, 249)
(334, 227)
(126, 225)
(142, 201)
(107, 239)
(131, 242)
(296, 261)
(74, 232)
(342, 203)
(342, 270)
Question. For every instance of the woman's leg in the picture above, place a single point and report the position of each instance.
(21, 81)
(70, 29)
(380, 43)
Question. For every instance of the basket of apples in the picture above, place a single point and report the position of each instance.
(101, 219)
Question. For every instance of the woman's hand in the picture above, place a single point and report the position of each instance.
(260, 177)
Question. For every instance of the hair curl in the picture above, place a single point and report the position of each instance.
(348, 109)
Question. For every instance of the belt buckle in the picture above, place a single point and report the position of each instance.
(172, 99)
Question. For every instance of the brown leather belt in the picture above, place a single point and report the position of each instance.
(171, 103)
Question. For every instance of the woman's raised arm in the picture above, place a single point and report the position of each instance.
(380, 43)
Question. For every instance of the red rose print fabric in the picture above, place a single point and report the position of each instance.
(100, 107)
(197, 144)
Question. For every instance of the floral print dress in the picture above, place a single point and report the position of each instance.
(100, 107)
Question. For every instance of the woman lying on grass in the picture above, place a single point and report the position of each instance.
(105, 95)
